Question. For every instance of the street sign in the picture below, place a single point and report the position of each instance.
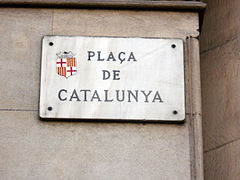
(112, 78)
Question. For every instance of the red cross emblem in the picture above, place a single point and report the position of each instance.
(61, 62)
(66, 64)
(71, 70)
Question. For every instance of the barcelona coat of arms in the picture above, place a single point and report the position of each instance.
(66, 64)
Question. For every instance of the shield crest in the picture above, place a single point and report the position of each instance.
(66, 64)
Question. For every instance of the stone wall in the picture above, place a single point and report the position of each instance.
(35, 149)
(220, 66)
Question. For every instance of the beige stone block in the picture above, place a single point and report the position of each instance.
(194, 92)
(20, 48)
(220, 94)
(33, 149)
(223, 163)
(221, 23)
(125, 23)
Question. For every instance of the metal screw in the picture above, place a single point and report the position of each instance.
(173, 46)
(50, 108)
(175, 112)
(51, 44)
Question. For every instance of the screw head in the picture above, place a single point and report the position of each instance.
(175, 112)
(50, 108)
(51, 43)
(173, 45)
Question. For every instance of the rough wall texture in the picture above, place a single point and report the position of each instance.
(220, 66)
(33, 149)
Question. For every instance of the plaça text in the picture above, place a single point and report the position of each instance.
(121, 56)
(87, 95)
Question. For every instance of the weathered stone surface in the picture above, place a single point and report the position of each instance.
(223, 163)
(194, 93)
(220, 89)
(125, 23)
(32, 149)
(221, 23)
(20, 48)
(220, 97)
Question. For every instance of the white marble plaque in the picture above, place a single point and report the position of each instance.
(108, 78)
